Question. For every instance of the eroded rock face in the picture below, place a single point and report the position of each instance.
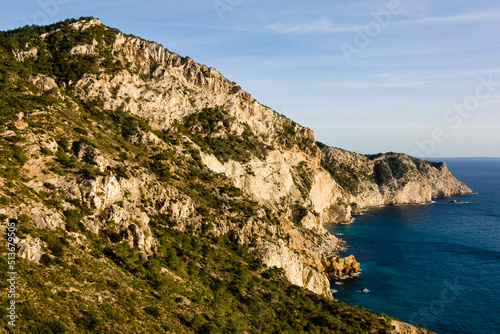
(341, 267)
(22, 55)
(85, 24)
(85, 49)
(45, 218)
(29, 248)
(279, 255)
(134, 225)
(43, 83)
(392, 178)
(404, 328)
(101, 192)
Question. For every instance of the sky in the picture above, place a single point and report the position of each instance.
(420, 77)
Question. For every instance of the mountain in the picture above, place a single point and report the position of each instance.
(151, 194)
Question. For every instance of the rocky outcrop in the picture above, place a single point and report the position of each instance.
(295, 270)
(390, 178)
(101, 193)
(29, 248)
(85, 24)
(22, 55)
(404, 328)
(43, 82)
(340, 267)
(85, 49)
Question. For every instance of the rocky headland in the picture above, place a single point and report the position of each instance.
(193, 148)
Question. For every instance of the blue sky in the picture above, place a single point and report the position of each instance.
(423, 78)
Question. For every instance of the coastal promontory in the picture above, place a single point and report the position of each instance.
(149, 190)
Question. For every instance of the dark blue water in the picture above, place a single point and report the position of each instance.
(435, 265)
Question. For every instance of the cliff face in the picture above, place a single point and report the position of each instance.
(119, 133)
(390, 178)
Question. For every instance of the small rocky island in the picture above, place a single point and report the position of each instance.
(454, 201)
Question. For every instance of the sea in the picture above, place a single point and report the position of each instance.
(435, 265)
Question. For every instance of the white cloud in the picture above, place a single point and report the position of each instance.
(319, 25)
(460, 18)
(328, 26)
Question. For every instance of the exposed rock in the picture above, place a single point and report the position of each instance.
(392, 178)
(21, 125)
(90, 155)
(404, 328)
(138, 238)
(127, 222)
(182, 300)
(85, 24)
(43, 83)
(310, 222)
(29, 248)
(85, 49)
(341, 267)
(44, 218)
(22, 55)
(47, 142)
(94, 157)
(277, 254)
(151, 139)
(454, 201)
(294, 175)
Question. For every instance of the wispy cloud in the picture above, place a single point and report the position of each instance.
(459, 18)
(317, 26)
(328, 26)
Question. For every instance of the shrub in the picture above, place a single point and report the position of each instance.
(51, 327)
(121, 172)
(115, 237)
(23, 218)
(63, 143)
(81, 131)
(46, 260)
(153, 311)
(113, 284)
(73, 219)
(89, 321)
(58, 170)
(46, 151)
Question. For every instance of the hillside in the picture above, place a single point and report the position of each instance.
(151, 194)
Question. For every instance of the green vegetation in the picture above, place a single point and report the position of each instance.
(12, 157)
(229, 290)
(344, 175)
(302, 179)
(391, 168)
(382, 173)
(290, 136)
(202, 126)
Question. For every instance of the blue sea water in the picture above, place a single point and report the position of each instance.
(435, 265)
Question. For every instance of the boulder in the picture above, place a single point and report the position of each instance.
(338, 266)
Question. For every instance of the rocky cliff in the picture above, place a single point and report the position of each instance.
(117, 136)
(390, 178)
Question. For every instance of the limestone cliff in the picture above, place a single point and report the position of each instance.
(120, 136)
(390, 178)
(403, 328)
